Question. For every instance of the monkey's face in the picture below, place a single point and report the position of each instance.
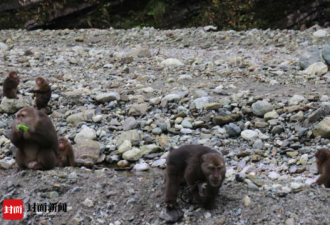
(13, 76)
(321, 155)
(61, 143)
(25, 117)
(214, 169)
(39, 81)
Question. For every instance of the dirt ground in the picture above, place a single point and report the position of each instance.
(137, 198)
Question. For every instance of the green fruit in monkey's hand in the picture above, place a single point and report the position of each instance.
(22, 127)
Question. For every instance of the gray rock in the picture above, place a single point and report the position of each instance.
(260, 108)
(258, 144)
(132, 135)
(129, 124)
(326, 53)
(157, 131)
(185, 123)
(223, 120)
(312, 55)
(201, 102)
(138, 109)
(86, 152)
(233, 130)
(139, 53)
(317, 115)
(182, 109)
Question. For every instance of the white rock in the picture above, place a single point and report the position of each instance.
(125, 146)
(186, 131)
(286, 189)
(13, 105)
(7, 163)
(304, 159)
(273, 82)
(210, 27)
(296, 99)
(320, 33)
(317, 69)
(141, 167)
(132, 155)
(85, 134)
(171, 62)
(147, 89)
(273, 175)
(218, 89)
(309, 181)
(3, 46)
(324, 98)
(185, 77)
(171, 97)
(247, 201)
(97, 118)
(296, 185)
(89, 203)
(159, 163)
(249, 135)
(107, 97)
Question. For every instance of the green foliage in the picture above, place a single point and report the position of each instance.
(228, 14)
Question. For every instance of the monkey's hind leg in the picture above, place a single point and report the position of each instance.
(46, 159)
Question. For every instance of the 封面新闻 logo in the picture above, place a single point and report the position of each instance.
(12, 209)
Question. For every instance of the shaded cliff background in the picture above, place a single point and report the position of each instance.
(164, 14)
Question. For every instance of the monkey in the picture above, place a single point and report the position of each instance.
(34, 136)
(42, 93)
(323, 167)
(194, 164)
(10, 85)
(66, 152)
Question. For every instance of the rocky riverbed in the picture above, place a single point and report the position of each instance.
(123, 97)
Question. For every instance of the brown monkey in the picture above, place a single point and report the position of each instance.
(193, 164)
(66, 152)
(42, 93)
(37, 144)
(10, 85)
(323, 167)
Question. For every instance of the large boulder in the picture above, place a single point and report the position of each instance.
(312, 55)
(13, 105)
